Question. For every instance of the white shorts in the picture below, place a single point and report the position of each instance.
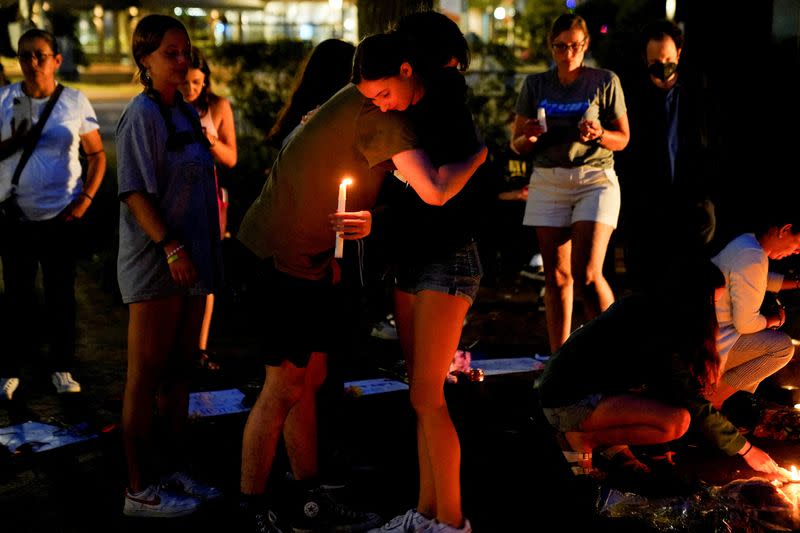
(559, 197)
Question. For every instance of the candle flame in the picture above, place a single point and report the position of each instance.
(795, 473)
(347, 181)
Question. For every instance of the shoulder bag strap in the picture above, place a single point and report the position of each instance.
(35, 134)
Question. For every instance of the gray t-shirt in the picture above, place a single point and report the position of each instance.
(596, 94)
(181, 183)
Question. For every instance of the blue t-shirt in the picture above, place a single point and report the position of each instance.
(181, 183)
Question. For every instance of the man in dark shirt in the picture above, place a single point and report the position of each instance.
(667, 166)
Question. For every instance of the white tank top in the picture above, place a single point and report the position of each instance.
(207, 122)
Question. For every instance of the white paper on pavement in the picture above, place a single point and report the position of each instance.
(41, 437)
(494, 367)
(366, 387)
(215, 403)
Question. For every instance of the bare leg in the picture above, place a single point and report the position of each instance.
(438, 320)
(590, 243)
(206, 327)
(404, 318)
(282, 389)
(173, 397)
(151, 336)
(630, 419)
(300, 431)
(555, 246)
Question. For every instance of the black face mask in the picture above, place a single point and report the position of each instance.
(662, 71)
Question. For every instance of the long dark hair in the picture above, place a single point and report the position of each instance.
(147, 38)
(433, 40)
(427, 40)
(325, 72)
(207, 96)
(378, 56)
(688, 302)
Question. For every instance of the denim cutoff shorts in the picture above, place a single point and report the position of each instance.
(458, 274)
(571, 417)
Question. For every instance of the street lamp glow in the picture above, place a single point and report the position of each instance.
(500, 13)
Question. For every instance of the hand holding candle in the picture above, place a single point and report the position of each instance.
(341, 208)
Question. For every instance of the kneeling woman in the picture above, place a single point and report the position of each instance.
(639, 374)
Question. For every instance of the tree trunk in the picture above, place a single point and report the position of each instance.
(377, 16)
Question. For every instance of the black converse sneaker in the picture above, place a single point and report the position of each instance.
(320, 513)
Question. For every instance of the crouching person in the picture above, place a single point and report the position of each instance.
(639, 374)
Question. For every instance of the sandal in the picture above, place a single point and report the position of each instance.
(580, 463)
(205, 360)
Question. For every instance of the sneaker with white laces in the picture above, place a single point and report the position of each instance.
(410, 522)
(64, 383)
(321, 512)
(157, 502)
(180, 482)
(438, 527)
(7, 387)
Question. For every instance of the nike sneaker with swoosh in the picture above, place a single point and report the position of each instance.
(155, 502)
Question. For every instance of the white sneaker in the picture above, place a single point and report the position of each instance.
(155, 502)
(7, 387)
(181, 483)
(386, 329)
(64, 383)
(411, 522)
(438, 527)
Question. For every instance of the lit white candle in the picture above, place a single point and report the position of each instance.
(341, 208)
(541, 116)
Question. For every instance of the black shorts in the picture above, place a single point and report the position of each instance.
(299, 316)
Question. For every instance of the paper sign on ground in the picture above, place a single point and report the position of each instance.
(215, 403)
(366, 387)
(494, 367)
(40, 437)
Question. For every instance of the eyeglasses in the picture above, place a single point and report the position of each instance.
(27, 57)
(574, 47)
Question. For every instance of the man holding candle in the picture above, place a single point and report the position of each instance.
(289, 229)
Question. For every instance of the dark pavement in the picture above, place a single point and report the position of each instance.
(512, 475)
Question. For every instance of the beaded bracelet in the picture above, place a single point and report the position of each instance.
(172, 256)
(87, 195)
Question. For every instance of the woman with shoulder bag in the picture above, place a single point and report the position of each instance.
(42, 126)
